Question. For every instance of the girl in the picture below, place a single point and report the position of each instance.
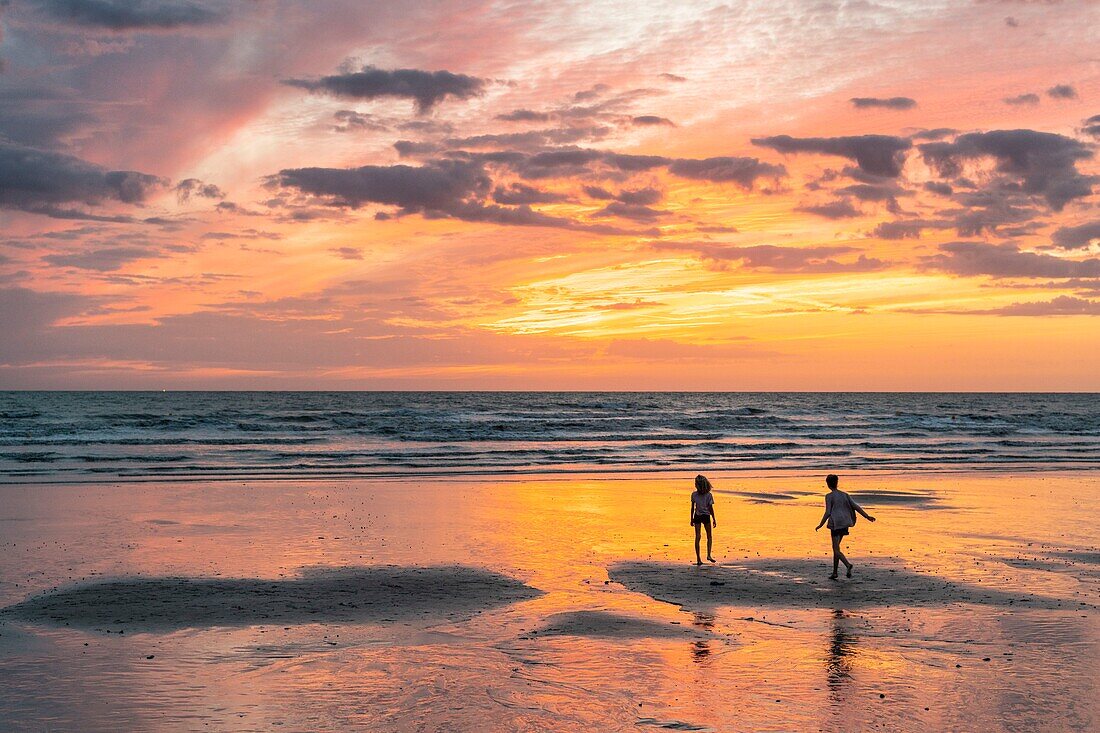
(702, 514)
(840, 513)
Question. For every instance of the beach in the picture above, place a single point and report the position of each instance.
(550, 603)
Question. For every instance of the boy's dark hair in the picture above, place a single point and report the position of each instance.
(832, 480)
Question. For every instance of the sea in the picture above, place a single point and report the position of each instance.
(79, 437)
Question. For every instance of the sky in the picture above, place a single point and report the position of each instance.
(338, 194)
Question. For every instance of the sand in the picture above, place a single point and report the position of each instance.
(787, 583)
(549, 604)
(375, 594)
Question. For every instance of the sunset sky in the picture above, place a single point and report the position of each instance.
(339, 194)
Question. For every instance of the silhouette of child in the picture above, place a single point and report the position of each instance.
(840, 513)
(702, 514)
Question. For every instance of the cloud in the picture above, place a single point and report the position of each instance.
(1045, 162)
(935, 133)
(426, 88)
(1062, 91)
(189, 187)
(125, 15)
(519, 193)
(878, 155)
(833, 210)
(106, 259)
(41, 116)
(898, 103)
(31, 178)
(742, 171)
(437, 186)
(349, 119)
(777, 258)
(439, 189)
(1076, 237)
(347, 253)
(637, 212)
(1063, 305)
(639, 196)
(652, 120)
(1092, 127)
(524, 115)
(1006, 260)
(1029, 100)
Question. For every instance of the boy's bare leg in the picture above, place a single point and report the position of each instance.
(838, 556)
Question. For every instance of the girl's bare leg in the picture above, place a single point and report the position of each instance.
(698, 560)
(710, 544)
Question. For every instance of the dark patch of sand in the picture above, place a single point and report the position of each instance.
(607, 625)
(374, 593)
(911, 499)
(792, 583)
(759, 497)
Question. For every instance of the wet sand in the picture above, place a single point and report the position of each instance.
(554, 604)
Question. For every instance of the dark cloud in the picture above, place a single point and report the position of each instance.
(189, 187)
(673, 77)
(1063, 305)
(936, 133)
(839, 209)
(871, 192)
(347, 253)
(1062, 91)
(1029, 99)
(426, 88)
(742, 171)
(597, 192)
(41, 117)
(518, 194)
(438, 186)
(348, 120)
(635, 212)
(878, 155)
(899, 103)
(776, 258)
(411, 149)
(106, 259)
(124, 15)
(908, 229)
(651, 120)
(1076, 237)
(939, 187)
(1045, 163)
(439, 189)
(525, 115)
(1006, 260)
(31, 178)
(640, 196)
(1092, 127)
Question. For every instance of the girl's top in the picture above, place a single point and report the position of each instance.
(841, 510)
(702, 504)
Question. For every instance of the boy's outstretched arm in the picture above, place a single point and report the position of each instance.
(859, 509)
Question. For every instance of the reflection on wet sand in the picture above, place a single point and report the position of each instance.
(623, 633)
(838, 666)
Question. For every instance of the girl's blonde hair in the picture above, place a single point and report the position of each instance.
(702, 484)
